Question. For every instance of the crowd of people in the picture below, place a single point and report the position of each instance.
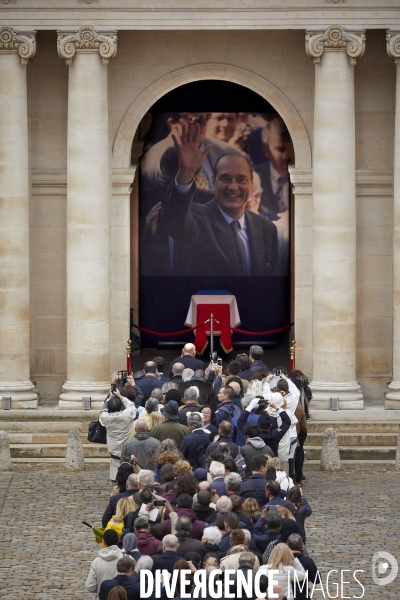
(207, 473)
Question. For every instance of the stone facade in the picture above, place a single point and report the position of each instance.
(288, 57)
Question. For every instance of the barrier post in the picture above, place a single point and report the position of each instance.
(212, 332)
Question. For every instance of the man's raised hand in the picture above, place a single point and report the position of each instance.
(190, 157)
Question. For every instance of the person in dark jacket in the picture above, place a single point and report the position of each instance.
(169, 555)
(296, 545)
(202, 509)
(211, 540)
(131, 488)
(226, 409)
(253, 445)
(224, 431)
(254, 486)
(184, 504)
(186, 543)
(188, 359)
(267, 528)
(194, 445)
(125, 578)
(246, 566)
(149, 381)
(190, 403)
(269, 432)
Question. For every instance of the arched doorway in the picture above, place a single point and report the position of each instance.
(132, 119)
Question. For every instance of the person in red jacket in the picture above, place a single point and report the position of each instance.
(147, 543)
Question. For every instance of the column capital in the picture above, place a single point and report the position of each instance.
(335, 38)
(23, 42)
(393, 45)
(86, 38)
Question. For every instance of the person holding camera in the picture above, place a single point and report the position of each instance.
(118, 423)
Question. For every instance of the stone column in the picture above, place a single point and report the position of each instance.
(15, 51)
(334, 213)
(393, 397)
(87, 53)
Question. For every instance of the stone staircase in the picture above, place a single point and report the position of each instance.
(42, 435)
(358, 440)
(38, 436)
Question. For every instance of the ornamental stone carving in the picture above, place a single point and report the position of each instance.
(335, 38)
(24, 44)
(393, 45)
(87, 38)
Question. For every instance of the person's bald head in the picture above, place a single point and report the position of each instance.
(141, 426)
(236, 387)
(131, 482)
(177, 368)
(205, 485)
(189, 349)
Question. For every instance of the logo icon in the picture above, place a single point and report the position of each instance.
(384, 563)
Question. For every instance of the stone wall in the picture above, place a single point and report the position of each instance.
(143, 58)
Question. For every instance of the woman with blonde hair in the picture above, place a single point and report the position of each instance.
(283, 561)
(153, 417)
(249, 506)
(124, 506)
(282, 478)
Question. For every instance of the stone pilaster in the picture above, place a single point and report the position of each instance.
(334, 52)
(16, 48)
(87, 53)
(393, 397)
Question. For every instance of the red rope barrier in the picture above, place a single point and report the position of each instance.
(172, 333)
(262, 332)
(270, 331)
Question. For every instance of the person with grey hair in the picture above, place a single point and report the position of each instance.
(176, 371)
(190, 403)
(255, 354)
(145, 480)
(296, 545)
(141, 446)
(169, 555)
(247, 566)
(194, 445)
(157, 393)
(223, 505)
(233, 483)
(145, 563)
(187, 375)
(211, 540)
(217, 472)
(267, 529)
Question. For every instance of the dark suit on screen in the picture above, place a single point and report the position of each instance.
(207, 242)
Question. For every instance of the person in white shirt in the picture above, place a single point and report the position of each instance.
(289, 567)
(118, 424)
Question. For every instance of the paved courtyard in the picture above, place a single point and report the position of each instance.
(46, 551)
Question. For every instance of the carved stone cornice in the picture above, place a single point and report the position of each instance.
(393, 45)
(23, 43)
(86, 38)
(9, 1)
(335, 38)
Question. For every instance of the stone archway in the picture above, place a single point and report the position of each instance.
(301, 177)
(121, 155)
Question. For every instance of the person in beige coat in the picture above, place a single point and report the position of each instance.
(238, 545)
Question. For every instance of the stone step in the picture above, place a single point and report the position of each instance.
(354, 426)
(42, 427)
(55, 450)
(356, 453)
(42, 438)
(356, 439)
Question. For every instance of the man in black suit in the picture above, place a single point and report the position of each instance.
(131, 488)
(220, 237)
(169, 555)
(188, 359)
(195, 442)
